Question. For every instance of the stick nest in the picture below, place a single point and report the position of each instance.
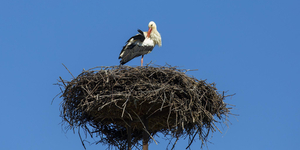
(106, 101)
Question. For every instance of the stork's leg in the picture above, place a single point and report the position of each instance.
(142, 60)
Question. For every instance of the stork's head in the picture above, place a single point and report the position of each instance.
(151, 26)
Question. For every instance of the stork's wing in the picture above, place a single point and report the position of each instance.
(135, 51)
(136, 46)
(132, 41)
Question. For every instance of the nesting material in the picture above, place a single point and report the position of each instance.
(107, 101)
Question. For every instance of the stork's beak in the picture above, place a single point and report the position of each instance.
(148, 33)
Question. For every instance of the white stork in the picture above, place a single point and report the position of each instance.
(140, 44)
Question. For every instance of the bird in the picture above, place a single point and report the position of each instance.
(140, 44)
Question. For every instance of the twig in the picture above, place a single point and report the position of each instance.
(68, 70)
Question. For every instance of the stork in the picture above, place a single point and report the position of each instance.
(140, 44)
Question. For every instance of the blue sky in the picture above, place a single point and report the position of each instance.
(250, 48)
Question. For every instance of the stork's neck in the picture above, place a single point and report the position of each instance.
(155, 36)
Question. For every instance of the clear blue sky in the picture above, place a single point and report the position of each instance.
(251, 48)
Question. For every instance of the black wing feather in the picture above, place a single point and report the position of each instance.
(136, 51)
(139, 37)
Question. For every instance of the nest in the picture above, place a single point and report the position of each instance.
(108, 101)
